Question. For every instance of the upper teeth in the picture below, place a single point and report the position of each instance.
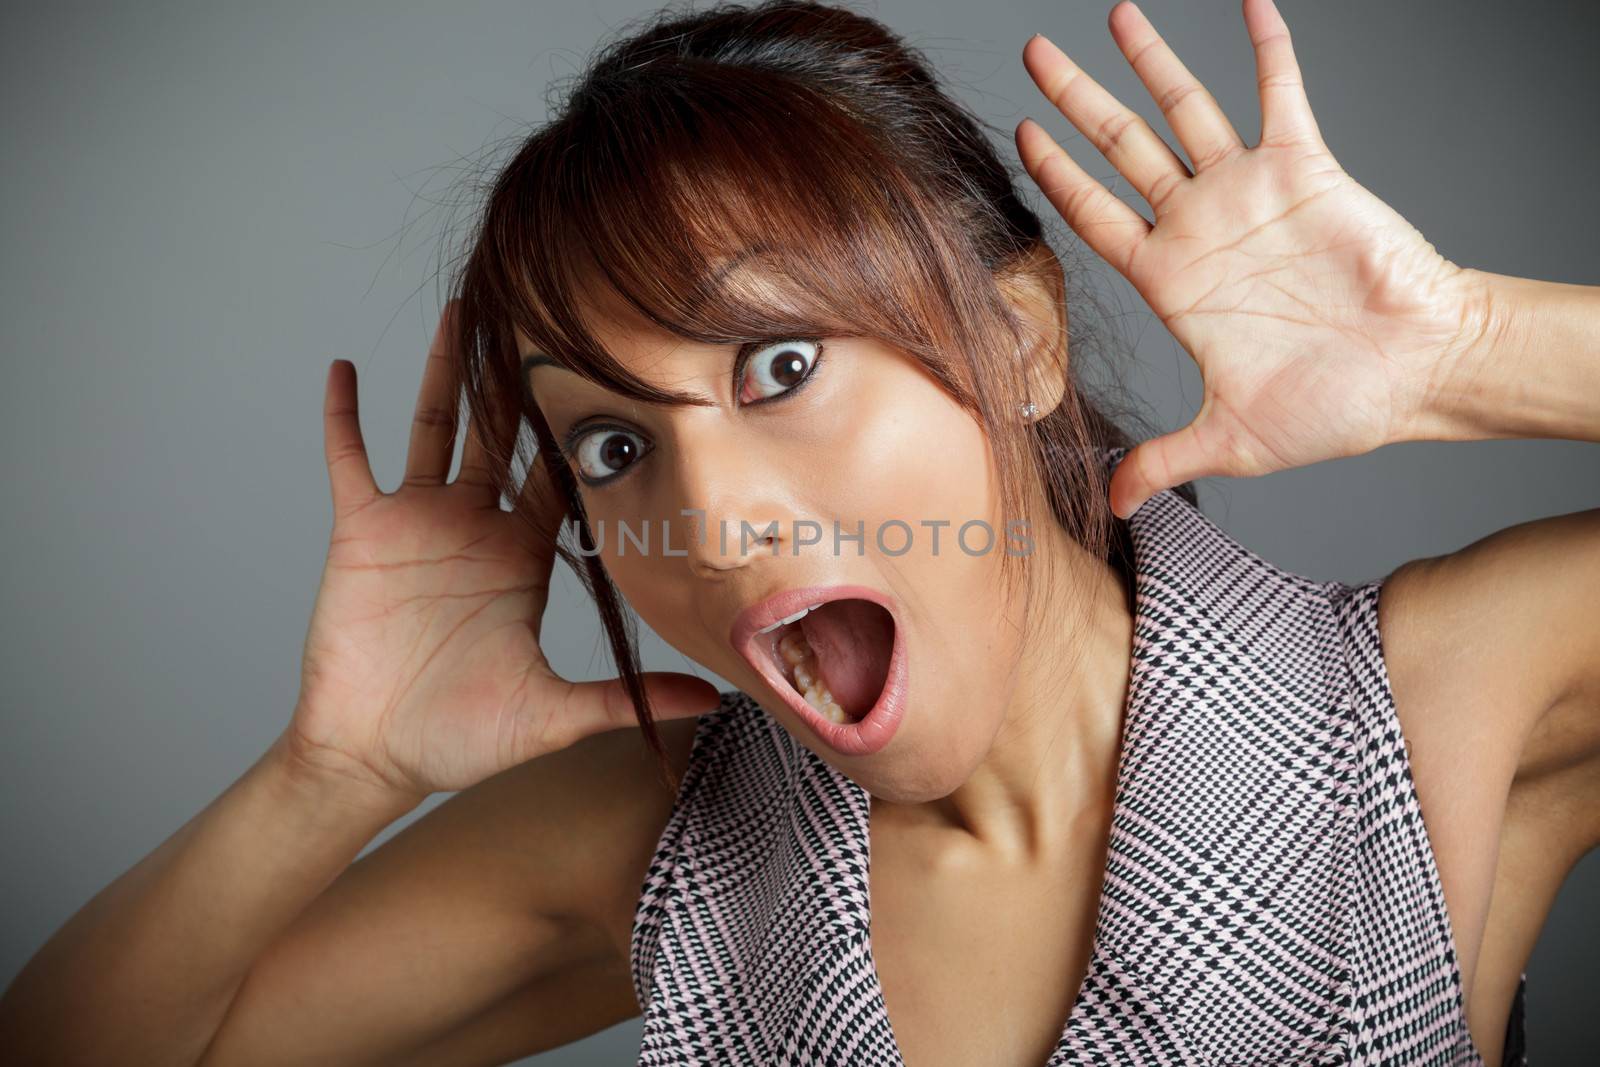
(787, 619)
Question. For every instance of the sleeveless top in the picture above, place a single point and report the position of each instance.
(1270, 892)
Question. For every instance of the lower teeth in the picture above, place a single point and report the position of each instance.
(807, 678)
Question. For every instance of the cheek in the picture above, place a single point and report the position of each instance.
(905, 450)
(924, 462)
(668, 601)
(921, 459)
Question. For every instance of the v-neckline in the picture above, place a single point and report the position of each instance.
(874, 988)
(862, 808)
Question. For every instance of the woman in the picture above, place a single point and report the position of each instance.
(1117, 790)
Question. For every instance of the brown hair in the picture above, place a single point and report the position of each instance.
(814, 139)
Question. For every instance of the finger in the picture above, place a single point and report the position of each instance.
(1121, 135)
(484, 453)
(1106, 224)
(593, 707)
(349, 469)
(1198, 122)
(1157, 464)
(1286, 117)
(488, 453)
(542, 507)
(545, 507)
(433, 424)
(488, 450)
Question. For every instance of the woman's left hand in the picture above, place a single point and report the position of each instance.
(1317, 315)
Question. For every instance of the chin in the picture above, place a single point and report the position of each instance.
(935, 752)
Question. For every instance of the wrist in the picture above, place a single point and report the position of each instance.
(335, 782)
(1525, 363)
(1445, 397)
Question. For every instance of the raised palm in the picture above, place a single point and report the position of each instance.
(1314, 311)
(423, 669)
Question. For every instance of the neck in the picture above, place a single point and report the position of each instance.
(1053, 765)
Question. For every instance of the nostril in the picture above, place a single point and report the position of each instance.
(718, 543)
(743, 536)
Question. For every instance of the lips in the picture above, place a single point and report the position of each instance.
(872, 731)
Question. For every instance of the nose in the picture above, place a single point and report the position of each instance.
(719, 544)
(733, 502)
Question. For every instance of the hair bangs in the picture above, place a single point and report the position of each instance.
(672, 219)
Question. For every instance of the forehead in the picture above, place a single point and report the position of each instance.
(653, 357)
(746, 278)
(626, 336)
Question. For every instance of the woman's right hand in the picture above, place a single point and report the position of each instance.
(422, 668)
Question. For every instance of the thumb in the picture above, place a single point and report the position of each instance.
(592, 707)
(1157, 464)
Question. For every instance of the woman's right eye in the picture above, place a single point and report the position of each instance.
(604, 452)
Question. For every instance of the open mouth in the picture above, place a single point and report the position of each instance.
(834, 654)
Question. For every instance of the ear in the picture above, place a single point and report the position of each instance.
(1036, 291)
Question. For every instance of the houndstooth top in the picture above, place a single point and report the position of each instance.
(1270, 893)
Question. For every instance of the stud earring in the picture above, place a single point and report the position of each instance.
(1029, 410)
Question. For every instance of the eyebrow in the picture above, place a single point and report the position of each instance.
(539, 359)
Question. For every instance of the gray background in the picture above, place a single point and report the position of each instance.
(202, 204)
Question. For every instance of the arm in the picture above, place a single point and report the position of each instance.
(1511, 619)
(493, 928)
(1516, 612)
(152, 961)
(482, 932)
(1325, 325)
(1532, 368)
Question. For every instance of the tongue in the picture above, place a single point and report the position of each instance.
(852, 640)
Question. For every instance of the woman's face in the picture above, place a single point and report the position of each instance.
(842, 430)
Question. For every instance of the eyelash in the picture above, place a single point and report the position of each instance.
(569, 445)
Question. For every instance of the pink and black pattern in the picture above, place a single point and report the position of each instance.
(1270, 892)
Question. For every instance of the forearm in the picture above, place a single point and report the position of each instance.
(1532, 368)
(145, 971)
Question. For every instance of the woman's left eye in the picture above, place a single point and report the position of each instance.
(777, 368)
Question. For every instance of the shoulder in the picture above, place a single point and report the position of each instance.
(1506, 624)
(1499, 642)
